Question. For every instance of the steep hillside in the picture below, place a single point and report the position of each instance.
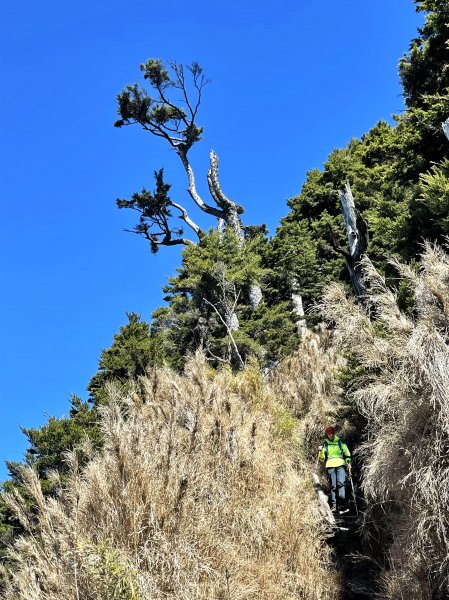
(187, 472)
(201, 491)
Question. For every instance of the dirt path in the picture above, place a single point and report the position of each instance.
(359, 575)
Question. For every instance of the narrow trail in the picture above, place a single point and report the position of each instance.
(359, 576)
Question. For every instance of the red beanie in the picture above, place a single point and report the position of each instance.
(329, 431)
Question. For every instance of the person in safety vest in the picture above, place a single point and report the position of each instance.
(336, 456)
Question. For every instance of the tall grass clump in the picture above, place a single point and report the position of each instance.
(307, 385)
(193, 496)
(403, 394)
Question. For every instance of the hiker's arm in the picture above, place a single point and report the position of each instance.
(321, 453)
(346, 454)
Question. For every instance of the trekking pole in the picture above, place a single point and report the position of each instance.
(317, 459)
(353, 495)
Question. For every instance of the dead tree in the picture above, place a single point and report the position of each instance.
(357, 234)
(225, 309)
(445, 127)
(298, 308)
(174, 120)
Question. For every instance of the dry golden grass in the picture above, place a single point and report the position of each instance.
(194, 496)
(307, 386)
(404, 395)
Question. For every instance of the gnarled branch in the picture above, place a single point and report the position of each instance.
(155, 214)
(176, 123)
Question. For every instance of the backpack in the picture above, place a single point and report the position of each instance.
(326, 449)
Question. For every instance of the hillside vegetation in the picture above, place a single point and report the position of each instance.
(402, 392)
(200, 491)
(202, 488)
(186, 473)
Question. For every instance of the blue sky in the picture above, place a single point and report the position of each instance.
(291, 80)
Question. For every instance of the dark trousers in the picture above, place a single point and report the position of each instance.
(337, 478)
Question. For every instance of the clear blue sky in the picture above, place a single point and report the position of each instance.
(291, 80)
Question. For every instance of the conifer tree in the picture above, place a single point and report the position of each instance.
(209, 305)
(395, 175)
(192, 312)
(171, 113)
(49, 443)
(132, 352)
(423, 70)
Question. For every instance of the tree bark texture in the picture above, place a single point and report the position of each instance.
(255, 295)
(229, 209)
(357, 235)
(298, 308)
(445, 127)
(232, 320)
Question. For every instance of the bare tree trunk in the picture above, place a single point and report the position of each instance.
(445, 127)
(232, 320)
(255, 295)
(357, 233)
(298, 309)
(230, 210)
(210, 210)
(229, 299)
(231, 219)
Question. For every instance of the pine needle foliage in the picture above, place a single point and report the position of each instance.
(385, 167)
(214, 282)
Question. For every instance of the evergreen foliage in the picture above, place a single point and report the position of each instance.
(424, 71)
(435, 194)
(49, 443)
(158, 114)
(400, 179)
(155, 211)
(212, 285)
(397, 186)
(132, 352)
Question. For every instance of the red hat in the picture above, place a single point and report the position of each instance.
(329, 431)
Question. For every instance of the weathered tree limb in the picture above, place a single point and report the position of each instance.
(298, 308)
(154, 210)
(211, 210)
(166, 240)
(230, 209)
(229, 330)
(175, 121)
(357, 234)
(226, 286)
(445, 127)
(185, 217)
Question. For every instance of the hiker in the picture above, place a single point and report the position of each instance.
(334, 452)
